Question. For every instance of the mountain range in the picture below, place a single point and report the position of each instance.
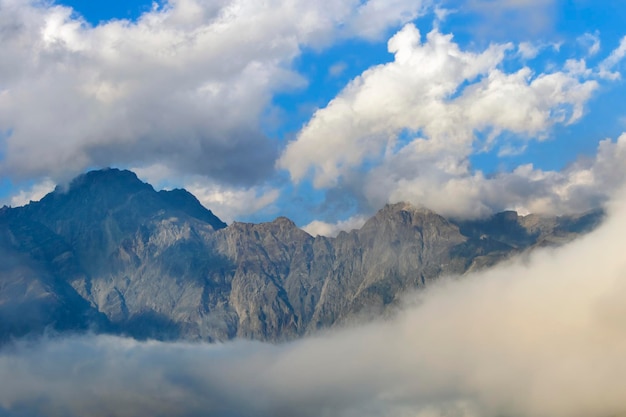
(109, 254)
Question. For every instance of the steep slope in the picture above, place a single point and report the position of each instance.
(112, 253)
(401, 247)
(35, 266)
(140, 252)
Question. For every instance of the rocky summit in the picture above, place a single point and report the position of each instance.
(110, 254)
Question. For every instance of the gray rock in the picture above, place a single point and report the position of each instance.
(112, 254)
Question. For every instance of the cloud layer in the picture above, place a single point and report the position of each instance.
(186, 84)
(543, 335)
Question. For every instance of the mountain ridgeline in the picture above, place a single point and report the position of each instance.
(111, 254)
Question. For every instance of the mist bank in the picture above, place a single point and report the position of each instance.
(543, 335)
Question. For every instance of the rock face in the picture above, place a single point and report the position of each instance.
(111, 254)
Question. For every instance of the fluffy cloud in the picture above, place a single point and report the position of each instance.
(543, 335)
(318, 227)
(582, 186)
(405, 131)
(367, 116)
(186, 84)
(421, 91)
(230, 204)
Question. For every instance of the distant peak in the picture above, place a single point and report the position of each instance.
(282, 220)
(96, 194)
(406, 206)
(402, 213)
(108, 176)
(109, 184)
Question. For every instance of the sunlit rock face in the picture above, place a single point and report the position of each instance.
(111, 254)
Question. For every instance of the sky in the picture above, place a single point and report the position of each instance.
(320, 111)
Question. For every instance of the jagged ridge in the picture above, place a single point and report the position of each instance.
(111, 253)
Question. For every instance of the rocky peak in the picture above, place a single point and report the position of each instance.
(92, 194)
(283, 223)
(104, 179)
(98, 195)
(108, 186)
(403, 215)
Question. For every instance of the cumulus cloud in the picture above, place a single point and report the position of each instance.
(367, 116)
(405, 131)
(584, 185)
(542, 335)
(186, 84)
(421, 91)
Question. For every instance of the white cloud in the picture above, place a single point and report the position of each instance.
(321, 228)
(528, 50)
(34, 192)
(578, 67)
(229, 203)
(409, 93)
(186, 84)
(421, 92)
(158, 175)
(543, 335)
(373, 17)
(606, 67)
(405, 131)
(441, 14)
(582, 186)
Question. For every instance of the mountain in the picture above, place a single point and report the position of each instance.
(110, 254)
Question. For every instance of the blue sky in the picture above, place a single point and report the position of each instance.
(321, 112)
